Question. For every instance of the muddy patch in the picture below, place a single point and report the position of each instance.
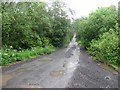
(107, 67)
(31, 85)
(5, 79)
(45, 60)
(19, 70)
(57, 73)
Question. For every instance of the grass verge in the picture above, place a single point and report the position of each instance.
(10, 55)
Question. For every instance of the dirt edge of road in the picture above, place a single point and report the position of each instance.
(106, 66)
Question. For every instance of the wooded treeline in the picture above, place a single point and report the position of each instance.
(31, 24)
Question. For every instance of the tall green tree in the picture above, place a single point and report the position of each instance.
(60, 22)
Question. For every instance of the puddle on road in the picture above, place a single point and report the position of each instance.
(69, 65)
(57, 73)
(69, 53)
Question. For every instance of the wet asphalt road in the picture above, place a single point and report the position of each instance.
(65, 68)
(89, 74)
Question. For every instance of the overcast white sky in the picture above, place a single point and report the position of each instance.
(84, 7)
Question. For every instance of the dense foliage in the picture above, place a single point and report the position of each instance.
(98, 33)
(29, 24)
(26, 25)
(106, 47)
(95, 24)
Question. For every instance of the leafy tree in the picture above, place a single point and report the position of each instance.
(119, 14)
(0, 25)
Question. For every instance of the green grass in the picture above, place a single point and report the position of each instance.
(10, 55)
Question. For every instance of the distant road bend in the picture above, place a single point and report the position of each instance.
(65, 68)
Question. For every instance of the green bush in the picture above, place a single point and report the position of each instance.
(106, 47)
